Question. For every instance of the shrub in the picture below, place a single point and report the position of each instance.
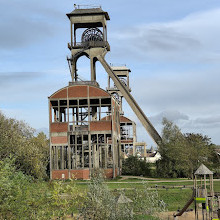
(12, 187)
(147, 202)
(135, 167)
(23, 197)
(101, 203)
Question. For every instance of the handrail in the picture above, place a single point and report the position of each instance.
(86, 6)
(88, 44)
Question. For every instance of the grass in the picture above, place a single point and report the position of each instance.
(136, 179)
(175, 198)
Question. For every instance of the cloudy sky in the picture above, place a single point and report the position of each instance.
(172, 48)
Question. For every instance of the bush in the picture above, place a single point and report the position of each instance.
(101, 203)
(12, 187)
(23, 197)
(135, 167)
(147, 202)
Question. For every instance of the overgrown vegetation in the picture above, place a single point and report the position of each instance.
(101, 203)
(22, 197)
(31, 154)
(24, 193)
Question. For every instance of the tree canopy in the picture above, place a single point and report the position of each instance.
(17, 141)
(183, 153)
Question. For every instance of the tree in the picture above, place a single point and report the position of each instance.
(172, 150)
(17, 140)
(135, 167)
(201, 150)
(182, 153)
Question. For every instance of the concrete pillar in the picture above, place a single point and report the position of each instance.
(94, 113)
(74, 71)
(62, 157)
(75, 156)
(134, 149)
(93, 69)
(82, 153)
(145, 152)
(134, 137)
(56, 157)
(90, 155)
(71, 32)
(51, 161)
(106, 155)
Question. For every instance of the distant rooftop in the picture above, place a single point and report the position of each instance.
(120, 68)
(88, 10)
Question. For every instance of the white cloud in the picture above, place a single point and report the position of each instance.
(194, 38)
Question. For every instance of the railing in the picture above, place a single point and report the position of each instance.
(92, 83)
(88, 44)
(86, 6)
(117, 64)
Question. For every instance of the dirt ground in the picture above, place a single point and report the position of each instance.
(186, 216)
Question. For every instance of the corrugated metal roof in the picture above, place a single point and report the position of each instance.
(203, 170)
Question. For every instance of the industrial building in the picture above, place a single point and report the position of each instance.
(88, 128)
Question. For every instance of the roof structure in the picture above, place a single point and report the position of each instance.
(203, 170)
(123, 199)
(121, 68)
(89, 11)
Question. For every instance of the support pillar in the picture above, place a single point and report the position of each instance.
(145, 152)
(90, 155)
(93, 69)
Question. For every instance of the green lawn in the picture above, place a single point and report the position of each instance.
(60, 196)
(175, 198)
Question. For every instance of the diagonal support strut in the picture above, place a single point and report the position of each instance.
(131, 101)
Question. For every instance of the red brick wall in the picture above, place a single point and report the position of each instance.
(107, 118)
(95, 92)
(124, 119)
(57, 174)
(100, 126)
(60, 94)
(127, 141)
(109, 173)
(80, 91)
(59, 127)
(80, 174)
(77, 91)
(59, 140)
